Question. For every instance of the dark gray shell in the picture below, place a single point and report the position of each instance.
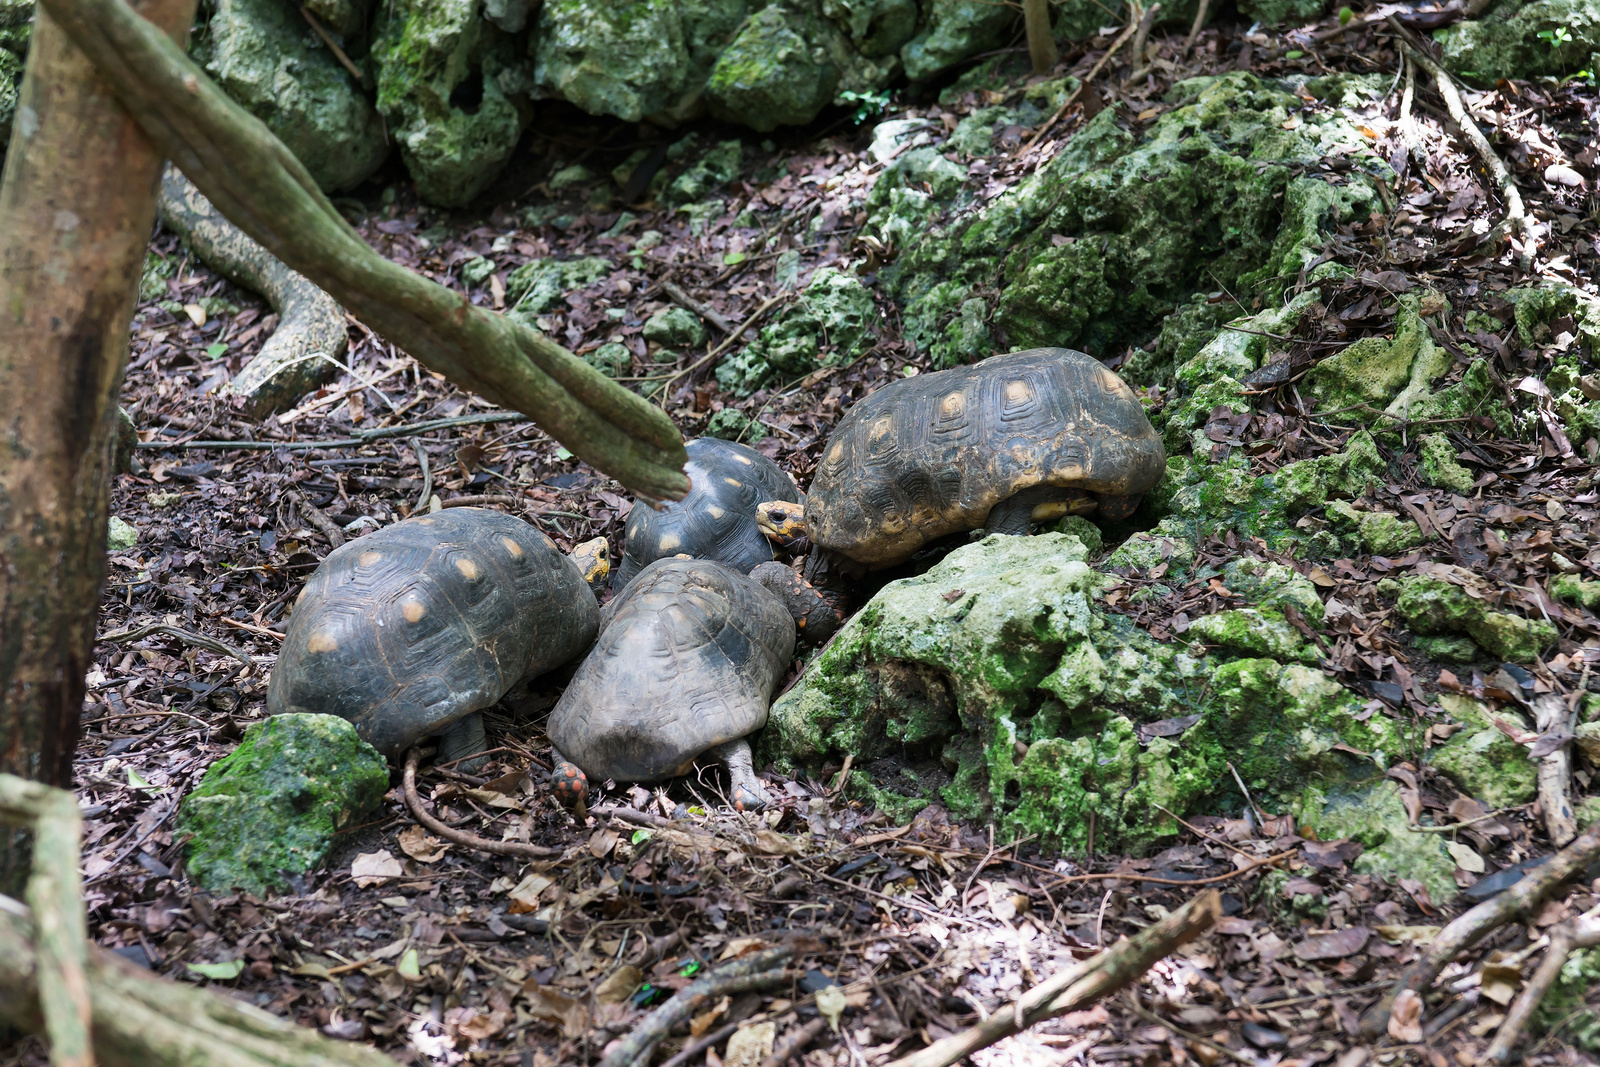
(717, 519)
(688, 657)
(928, 456)
(418, 624)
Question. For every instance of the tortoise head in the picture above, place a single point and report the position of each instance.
(814, 618)
(781, 520)
(593, 558)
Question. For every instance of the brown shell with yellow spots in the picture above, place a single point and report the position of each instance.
(932, 455)
(421, 623)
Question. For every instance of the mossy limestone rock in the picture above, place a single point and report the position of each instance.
(875, 27)
(675, 327)
(121, 535)
(1373, 814)
(1441, 469)
(772, 74)
(953, 30)
(834, 321)
(541, 284)
(1505, 43)
(1251, 632)
(446, 82)
(268, 60)
(1434, 606)
(274, 805)
(1480, 759)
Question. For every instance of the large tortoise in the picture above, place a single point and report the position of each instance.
(717, 519)
(1017, 438)
(411, 630)
(686, 663)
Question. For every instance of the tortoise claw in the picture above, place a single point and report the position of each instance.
(569, 784)
(746, 799)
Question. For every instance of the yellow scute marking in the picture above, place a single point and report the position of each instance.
(882, 428)
(733, 482)
(413, 610)
(468, 569)
(743, 459)
(836, 453)
(512, 547)
(714, 511)
(322, 641)
(952, 405)
(367, 559)
(1018, 392)
(670, 542)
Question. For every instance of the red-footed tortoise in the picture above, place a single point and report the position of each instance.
(410, 631)
(1014, 439)
(686, 663)
(717, 519)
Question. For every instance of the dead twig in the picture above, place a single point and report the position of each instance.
(484, 499)
(461, 837)
(1099, 976)
(427, 473)
(1565, 938)
(134, 633)
(1140, 38)
(796, 1043)
(1516, 213)
(1555, 768)
(760, 970)
(1194, 30)
(1473, 925)
(705, 311)
(315, 517)
(1072, 97)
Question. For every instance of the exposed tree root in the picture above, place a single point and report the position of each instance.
(461, 837)
(1099, 976)
(1472, 926)
(1552, 716)
(1565, 938)
(761, 970)
(304, 350)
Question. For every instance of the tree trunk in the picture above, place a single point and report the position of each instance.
(77, 202)
(1041, 41)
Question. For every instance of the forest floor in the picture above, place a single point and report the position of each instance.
(928, 926)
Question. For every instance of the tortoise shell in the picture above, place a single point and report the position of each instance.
(421, 623)
(928, 456)
(687, 658)
(717, 519)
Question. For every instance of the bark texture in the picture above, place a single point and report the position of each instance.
(77, 202)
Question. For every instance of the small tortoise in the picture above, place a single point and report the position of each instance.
(413, 629)
(686, 662)
(717, 519)
(1018, 438)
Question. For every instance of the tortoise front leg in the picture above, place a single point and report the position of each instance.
(747, 792)
(463, 738)
(569, 783)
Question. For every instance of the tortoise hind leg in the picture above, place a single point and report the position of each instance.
(462, 738)
(746, 790)
(569, 783)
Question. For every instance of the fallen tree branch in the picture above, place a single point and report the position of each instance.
(1072, 97)
(310, 322)
(133, 633)
(1565, 938)
(689, 303)
(55, 896)
(257, 183)
(461, 837)
(1473, 925)
(1555, 768)
(1099, 976)
(1516, 214)
(760, 970)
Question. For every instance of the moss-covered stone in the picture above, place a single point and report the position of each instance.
(1433, 606)
(1440, 468)
(1273, 585)
(1085, 531)
(675, 327)
(1144, 550)
(716, 168)
(446, 83)
(1506, 41)
(875, 27)
(1373, 814)
(1448, 648)
(611, 359)
(1283, 12)
(541, 284)
(1475, 394)
(834, 321)
(274, 805)
(1250, 632)
(632, 59)
(771, 75)
(953, 30)
(121, 535)
(731, 424)
(1382, 533)
(1370, 371)
(265, 57)
(1574, 590)
(1480, 759)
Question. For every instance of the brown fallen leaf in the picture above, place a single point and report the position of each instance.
(374, 868)
(416, 843)
(556, 1009)
(602, 842)
(707, 1019)
(618, 985)
(1405, 1018)
(1334, 946)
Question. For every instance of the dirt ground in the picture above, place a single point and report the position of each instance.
(435, 955)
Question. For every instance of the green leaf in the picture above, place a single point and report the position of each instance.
(220, 972)
(734, 257)
(1294, 54)
(1345, 15)
(563, 453)
(408, 967)
(641, 836)
(139, 783)
(217, 350)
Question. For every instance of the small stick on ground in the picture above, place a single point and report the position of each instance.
(1516, 213)
(705, 311)
(727, 342)
(427, 474)
(796, 1043)
(1565, 938)
(1101, 975)
(761, 970)
(1473, 925)
(315, 517)
(1555, 768)
(1140, 39)
(461, 837)
(484, 499)
(133, 633)
(1072, 97)
(1408, 125)
(1194, 31)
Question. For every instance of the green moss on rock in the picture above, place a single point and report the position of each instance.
(1434, 606)
(1251, 632)
(1574, 590)
(274, 805)
(1448, 648)
(676, 328)
(1382, 533)
(834, 321)
(771, 75)
(1480, 759)
(1373, 814)
(1505, 42)
(1441, 469)
(951, 31)
(541, 284)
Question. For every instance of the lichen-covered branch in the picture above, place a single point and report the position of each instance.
(310, 336)
(254, 180)
(1565, 938)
